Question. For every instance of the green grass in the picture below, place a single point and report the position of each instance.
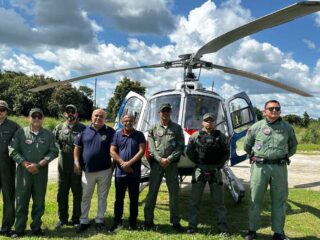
(303, 217)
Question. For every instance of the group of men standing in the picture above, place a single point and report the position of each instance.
(85, 160)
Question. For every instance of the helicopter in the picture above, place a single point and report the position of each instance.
(190, 100)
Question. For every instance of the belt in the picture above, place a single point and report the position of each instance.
(261, 160)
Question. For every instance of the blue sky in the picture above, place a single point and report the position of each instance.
(64, 39)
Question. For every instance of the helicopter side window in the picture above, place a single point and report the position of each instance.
(240, 114)
(152, 115)
(133, 107)
(197, 106)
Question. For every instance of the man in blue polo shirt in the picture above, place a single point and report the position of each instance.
(92, 156)
(127, 148)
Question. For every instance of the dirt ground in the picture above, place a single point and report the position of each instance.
(303, 172)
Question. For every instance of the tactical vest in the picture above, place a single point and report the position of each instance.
(211, 150)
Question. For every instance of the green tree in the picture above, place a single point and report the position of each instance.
(293, 119)
(86, 91)
(305, 120)
(122, 89)
(66, 94)
(259, 113)
(14, 89)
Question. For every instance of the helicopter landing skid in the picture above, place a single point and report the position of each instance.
(234, 185)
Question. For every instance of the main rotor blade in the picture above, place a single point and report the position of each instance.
(54, 84)
(282, 16)
(261, 79)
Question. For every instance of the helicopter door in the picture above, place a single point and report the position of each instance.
(241, 116)
(134, 104)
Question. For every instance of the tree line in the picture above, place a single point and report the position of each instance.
(14, 89)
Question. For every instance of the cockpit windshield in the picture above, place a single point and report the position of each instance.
(152, 114)
(197, 106)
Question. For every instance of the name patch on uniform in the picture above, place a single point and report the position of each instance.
(279, 131)
(266, 131)
(41, 140)
(103, 137)
(28, 141)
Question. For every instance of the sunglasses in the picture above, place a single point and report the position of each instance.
(71, 111)
(271, 109)
(36, 116)
(3, 109)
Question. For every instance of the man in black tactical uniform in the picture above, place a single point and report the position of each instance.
(65, 134)
(209, 150)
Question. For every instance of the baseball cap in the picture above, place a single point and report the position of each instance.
(208, 115)
(4, 104)
(165, 105)
(71, 106)
(35, 110)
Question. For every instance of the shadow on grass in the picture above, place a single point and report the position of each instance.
(303, 208)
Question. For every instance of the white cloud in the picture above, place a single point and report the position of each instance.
(21, 63)
(143, 16)
(317, 19)
(309, 43)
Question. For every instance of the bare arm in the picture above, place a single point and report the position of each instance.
(139, 154)
(76, 156)
(114, 154)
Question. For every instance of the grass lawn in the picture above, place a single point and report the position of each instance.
(303, 218)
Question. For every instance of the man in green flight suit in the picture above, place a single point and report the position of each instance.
(65, 134)
(7, 168)
(32, 148)
(166, 144)
(269, 143)
(209, 150)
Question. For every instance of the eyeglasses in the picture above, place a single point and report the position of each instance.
(3, 109)
(36, 116)
(271, 109)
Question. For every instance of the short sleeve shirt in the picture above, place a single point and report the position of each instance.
(128, 147)
(95, 147)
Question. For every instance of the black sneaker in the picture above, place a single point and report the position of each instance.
(177, 227)
(251, 235)
(148, 225)
(75, 223)
(191, 230)
(17, 234)
(99, 226)
(6, 232)
(133, 227)
(223, 230)
(115, 226)
(37, 231)
(60, 224)
(279, 236)
(82, 227)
